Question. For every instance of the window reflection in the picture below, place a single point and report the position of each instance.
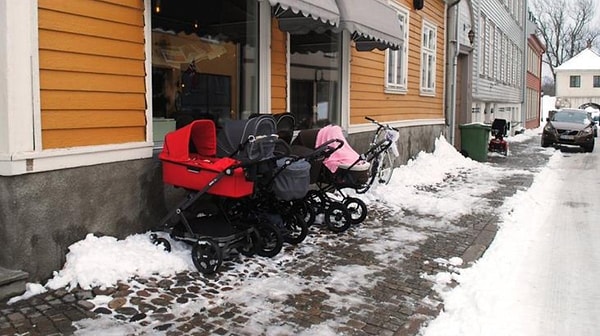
(203, 61)
(315, 73)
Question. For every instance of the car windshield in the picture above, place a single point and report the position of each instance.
(571, 117)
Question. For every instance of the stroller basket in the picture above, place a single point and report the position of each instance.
(293, 179)
(189, 161)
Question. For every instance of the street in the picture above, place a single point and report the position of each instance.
(540, 275)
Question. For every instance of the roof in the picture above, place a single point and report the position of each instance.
(585, 60)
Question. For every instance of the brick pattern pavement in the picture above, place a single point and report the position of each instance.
(392, 299)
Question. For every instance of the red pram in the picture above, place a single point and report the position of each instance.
(202, 218)
(189, 161)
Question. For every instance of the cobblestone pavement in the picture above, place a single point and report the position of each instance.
(348, 284)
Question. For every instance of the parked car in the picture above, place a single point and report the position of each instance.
(572, 127)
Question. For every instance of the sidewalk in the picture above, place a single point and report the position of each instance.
(390, 300)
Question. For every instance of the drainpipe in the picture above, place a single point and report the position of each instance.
(524, 67)
(453, 75)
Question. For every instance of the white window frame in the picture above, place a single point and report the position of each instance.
(489, 46)
(482, 49)
(398, 59)
(428, 54)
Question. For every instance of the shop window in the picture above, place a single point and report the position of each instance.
(315, 77)
(204, 61)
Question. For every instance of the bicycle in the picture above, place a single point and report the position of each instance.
(382, 153)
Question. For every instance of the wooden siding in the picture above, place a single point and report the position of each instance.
(367, 78)
(92, 75)
(487, 89)
(278, 69)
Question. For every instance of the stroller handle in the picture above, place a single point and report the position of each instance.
(386, 126)
(326, 149)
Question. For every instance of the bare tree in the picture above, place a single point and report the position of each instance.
(565, 26)
(548, 87)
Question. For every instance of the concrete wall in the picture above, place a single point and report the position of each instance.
(42, 214)
(412, 140)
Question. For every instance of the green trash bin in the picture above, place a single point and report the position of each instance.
(474, 140)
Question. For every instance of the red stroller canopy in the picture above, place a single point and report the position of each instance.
(199, 137)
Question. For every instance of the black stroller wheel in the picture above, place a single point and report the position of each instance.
(296, 228)
(305, 210)
(337, 217)
(249, 249)
(161, 242)
(270, 240)
(356, 208)
(207, 256)
(316, 201)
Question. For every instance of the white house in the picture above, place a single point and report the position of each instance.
(578, 81)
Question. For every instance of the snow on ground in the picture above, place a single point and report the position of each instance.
(104, 261)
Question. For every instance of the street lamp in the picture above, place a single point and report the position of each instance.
(471, 36)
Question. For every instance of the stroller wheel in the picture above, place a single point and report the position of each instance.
(356, 208)
(337, 217)
(161, 242)
(305, 211)
(207, 256)
(296, 228)
(315, 200)
(270, 240)
(249, 249)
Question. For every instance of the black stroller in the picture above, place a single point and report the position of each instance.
(204, 219)
(282, 181)
(281, 195)
(339, 214)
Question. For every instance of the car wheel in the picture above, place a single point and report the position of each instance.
(589, 147)
(545, 143)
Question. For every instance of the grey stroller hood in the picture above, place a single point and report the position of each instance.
(248, 140)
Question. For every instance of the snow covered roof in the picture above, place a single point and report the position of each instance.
(585, 60)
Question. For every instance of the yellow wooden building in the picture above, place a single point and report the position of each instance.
(88, 89)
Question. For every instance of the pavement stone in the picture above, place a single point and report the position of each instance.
(399, 302)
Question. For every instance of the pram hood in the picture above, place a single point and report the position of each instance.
(345, 155)
(198, 137)
(248, 140)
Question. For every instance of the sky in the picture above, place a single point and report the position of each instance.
(91, 261)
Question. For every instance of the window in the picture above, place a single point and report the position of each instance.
(428, 50)
(596, 81)
(314, 78)
(575, 81)
(203, 68)
(489, 46)
(497, 57)
(483, 49)
(397, 60)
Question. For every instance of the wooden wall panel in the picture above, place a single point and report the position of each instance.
(278, 69)
(92, 136)
(92, 72)
(367, 83)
